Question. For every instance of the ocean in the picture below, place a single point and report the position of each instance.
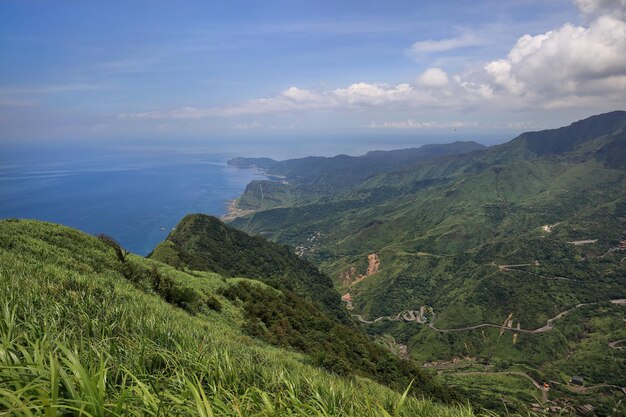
(135, 196)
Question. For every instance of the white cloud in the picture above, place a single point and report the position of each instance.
(569, 61)
(571, 66)
(442, 45)
(294, 99)
(412, 124)
(299, 95)
(500, 70)
(433, 78)
(371, 94)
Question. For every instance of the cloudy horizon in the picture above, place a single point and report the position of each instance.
(283, 68)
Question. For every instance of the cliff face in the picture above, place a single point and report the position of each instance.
(351, 276)
(374, 263)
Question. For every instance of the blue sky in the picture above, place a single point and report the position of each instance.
(151, 70)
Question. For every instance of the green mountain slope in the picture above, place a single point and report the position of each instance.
(567, 139)
(308, 178)
(204, 243)
(304, 315)
(84, 331)
(510, 236)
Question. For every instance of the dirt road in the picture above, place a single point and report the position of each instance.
(613, 345)
(405, 315)
(418, 316)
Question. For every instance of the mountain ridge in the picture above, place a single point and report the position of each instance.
(299, 180)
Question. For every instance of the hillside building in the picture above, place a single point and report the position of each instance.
(577, 380)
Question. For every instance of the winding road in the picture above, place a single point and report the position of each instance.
(417, 316)
(613, 344)
(404, 315)
(539, 275)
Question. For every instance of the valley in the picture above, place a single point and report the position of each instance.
(521, 239)
(88, 328)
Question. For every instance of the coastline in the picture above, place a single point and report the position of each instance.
(232, 211)
(235, 212)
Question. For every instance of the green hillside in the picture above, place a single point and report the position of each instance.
(87, 329)
(509, 236)
(305, 315)
(203, 243)
(305, 179)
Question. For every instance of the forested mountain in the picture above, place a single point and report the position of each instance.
(301, 179)
(489, 246)
(203, 243)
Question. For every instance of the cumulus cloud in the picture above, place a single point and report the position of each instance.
(568, 66)
(433, 78)
(567, 62)
(372, 94)
(433, 90)
(594, 8)
(299, 95)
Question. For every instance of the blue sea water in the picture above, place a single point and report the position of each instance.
(134, 196)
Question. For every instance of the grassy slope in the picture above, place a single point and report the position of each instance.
(204, 243)
(77, 338)
(309, 318)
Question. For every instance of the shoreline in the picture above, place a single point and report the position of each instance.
(235, 212)
(232, 211)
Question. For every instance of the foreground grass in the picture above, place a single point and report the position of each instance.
(78, 339)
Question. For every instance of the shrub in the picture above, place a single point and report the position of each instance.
(119, 250)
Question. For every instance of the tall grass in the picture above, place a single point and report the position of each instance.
(77, 339)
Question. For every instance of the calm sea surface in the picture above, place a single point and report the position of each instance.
(136, 197)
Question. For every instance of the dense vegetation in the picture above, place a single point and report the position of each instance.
(286, 320)
(311, 177)
(303, 314)
(84, 334)
(218, 322)
(442, 227)
(203, 243)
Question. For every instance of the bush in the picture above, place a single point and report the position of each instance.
(287, 320)
(119, 250)
(213, 303)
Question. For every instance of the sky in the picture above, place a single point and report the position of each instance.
(155, 71)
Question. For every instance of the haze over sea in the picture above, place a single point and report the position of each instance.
(134, 196)
(136, 192)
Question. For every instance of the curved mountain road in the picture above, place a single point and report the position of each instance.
(543, 329)
(555, 278)
(416, 315)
